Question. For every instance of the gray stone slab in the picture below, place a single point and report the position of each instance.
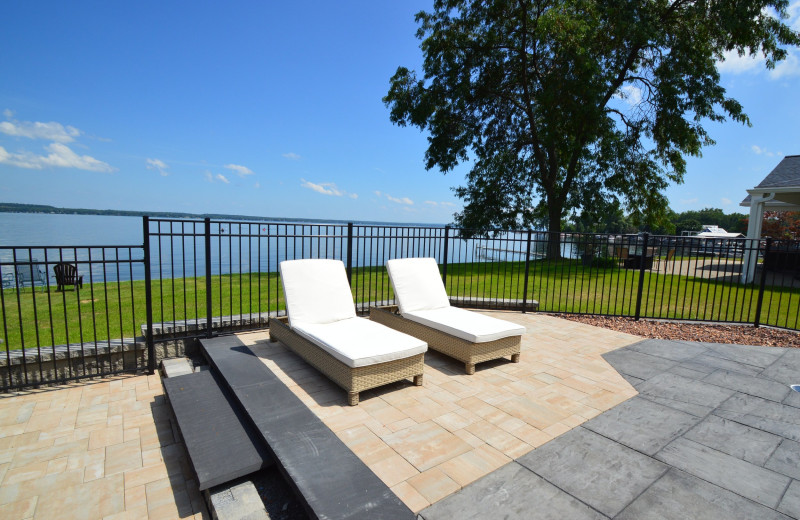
(512, 492)
(793, 398)
(673, 350)
(330, 479)
(786, 459)
(752, 385)
(176, 367)
(758, 484)
(746, 354)
(696, 367)
(785, 369)
(634, 380)
(597, 471)
(641, 424)
(239, 501)
(763, 414)
(749, 444)
(691, 373)
(717, 362)
(680, 496)
(682, 393)
(636, 364)
(221, 442)
(791, 500)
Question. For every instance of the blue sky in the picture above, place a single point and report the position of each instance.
(274, 109)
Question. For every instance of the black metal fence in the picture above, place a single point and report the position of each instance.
(198, 278)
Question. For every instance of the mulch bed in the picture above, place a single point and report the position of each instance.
(683, 331)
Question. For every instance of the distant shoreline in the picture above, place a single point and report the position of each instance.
(10, 207)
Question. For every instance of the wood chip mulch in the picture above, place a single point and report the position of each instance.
(682, 331)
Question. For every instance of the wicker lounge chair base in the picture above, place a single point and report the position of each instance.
(465, 351)
(353, 380)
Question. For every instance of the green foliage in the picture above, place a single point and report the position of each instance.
(563, 103)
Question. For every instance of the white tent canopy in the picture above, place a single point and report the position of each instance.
(779, 191)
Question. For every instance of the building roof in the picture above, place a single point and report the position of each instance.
(785, 175)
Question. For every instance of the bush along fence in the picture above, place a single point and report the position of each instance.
(75, 312)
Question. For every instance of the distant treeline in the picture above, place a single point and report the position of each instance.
(9, 207)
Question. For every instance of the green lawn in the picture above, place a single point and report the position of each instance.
(99, 312)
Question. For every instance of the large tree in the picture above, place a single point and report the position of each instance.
(554, 99)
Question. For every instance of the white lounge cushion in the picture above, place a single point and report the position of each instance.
(359, 342)
(417, 284)
(470, 326)
(316, 291)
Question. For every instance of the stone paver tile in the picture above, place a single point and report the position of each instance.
(499, 439)
(758, 386)
(688, 395)
(25, 457)
(393, 469)
(599, 472)
(105, 437)
(786, 459)
(642, 424)
(12, 442)
(95, 499)
(22, 473)
(790, 504)
(472, 465)
(746, 479)
(130, 434)
(408, 422)
(735, 439)
(678, 495)
(82, 459)
(469, 438)
(383, 411)
(135, 497)
(347, 419)
(533, 412)
(559, 428)
(510, 492)
(532, 436)
(94, 470)
(168, 496)
(123, 457)
(453, 421)
(762, 414)
(365, 444)
(92, 415)
(433, 485)
(19, 510)
(410, 496)
(426, 445)
(57, 465)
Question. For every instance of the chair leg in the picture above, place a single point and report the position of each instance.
(515, 358)
(352, 398)
(418, 380)
(470, 368)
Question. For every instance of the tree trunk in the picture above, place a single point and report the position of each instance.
(554, 233)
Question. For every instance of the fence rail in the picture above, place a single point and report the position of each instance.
(198, 278)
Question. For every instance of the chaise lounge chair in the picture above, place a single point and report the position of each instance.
(321, 327)
(425, 313)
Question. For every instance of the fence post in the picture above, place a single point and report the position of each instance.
(209, 311)
(446, 250)
(148, 296)
(350, 253)
(642, 257)
(527, 272)
(763, 283)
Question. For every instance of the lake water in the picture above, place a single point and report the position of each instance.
(97, 243)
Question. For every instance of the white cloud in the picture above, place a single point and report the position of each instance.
(690, 201)
(51, 131)
(157, 164)
(60, 156)
(726, 201)
(450, 204)
(223, 178)
(353, 195)
(403, 200)
(788, 67)
(431, 203)
(326, 188)
(631, 94)
(209, 176)
(376, 192)
(293, 156)
(8, 113)
(762, 151)
(241, 171)
(257, 185)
